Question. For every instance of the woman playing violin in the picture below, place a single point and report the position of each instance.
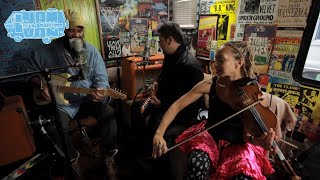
(233, 153)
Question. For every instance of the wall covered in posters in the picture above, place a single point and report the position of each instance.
(276, 56)
(129, 24)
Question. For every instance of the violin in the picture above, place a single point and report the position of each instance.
(257, 119)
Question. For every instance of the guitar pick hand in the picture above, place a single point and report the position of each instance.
(154, 100)
(98, 96)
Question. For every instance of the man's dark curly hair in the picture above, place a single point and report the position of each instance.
(172, 29)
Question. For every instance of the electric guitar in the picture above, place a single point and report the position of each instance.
(61, 85)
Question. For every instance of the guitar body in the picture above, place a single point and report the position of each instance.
(56, 80)
(61, 85)
(60, 80)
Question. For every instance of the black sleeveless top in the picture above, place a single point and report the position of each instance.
(232, 129)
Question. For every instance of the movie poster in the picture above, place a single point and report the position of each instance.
(292, 13)
(226, 10)
(138, 28)
(255, 12)
(284, 55)
(261, 39)
(305, 103)
(109, 17)
(207, 32)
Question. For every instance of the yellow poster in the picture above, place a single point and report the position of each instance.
(305, 103)
(226, 9)
(206, 33)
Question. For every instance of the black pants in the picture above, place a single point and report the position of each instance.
(145, 166)
(107, 125)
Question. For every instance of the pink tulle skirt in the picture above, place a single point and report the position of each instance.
(233, 159)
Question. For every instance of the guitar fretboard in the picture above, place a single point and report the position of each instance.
(106, 92)
(79, 90)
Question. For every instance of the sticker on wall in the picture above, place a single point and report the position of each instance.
(44, 25)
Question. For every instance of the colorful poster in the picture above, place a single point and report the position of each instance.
(138, 28)
(207, 32)
(145, 10)
(255, 12)
(261, 39)
(305, 103)
(109, 17)
(124, 38)
(292, 13)
(284, 55)
(226, 9)
(156, 47)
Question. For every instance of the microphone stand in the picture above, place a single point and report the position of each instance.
(41, 122)
(46, 74)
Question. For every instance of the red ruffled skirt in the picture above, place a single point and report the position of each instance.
(234, 159)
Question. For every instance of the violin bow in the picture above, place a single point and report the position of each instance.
(214, 125)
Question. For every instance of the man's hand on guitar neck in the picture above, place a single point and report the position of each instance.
(98, 96)
(154, 100)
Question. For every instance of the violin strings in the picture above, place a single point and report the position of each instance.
(257, 116)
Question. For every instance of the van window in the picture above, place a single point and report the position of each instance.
(311, 68)
(307, 67)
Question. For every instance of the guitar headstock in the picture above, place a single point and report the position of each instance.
(116, 93)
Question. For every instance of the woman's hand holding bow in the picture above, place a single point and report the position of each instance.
(159, 146)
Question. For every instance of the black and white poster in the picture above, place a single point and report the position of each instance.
(255, 12)
(112, 48)
(109, 17)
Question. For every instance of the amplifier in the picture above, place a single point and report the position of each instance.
(16, 139)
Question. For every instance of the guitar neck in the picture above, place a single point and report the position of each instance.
(79, 90)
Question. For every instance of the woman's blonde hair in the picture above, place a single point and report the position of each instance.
(242, 50)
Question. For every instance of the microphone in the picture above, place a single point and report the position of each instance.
(146, 54)
(149, 43)
(77, 45)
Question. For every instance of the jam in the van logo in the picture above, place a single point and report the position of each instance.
(45, 25)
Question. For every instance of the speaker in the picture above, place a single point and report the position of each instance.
(16, 139)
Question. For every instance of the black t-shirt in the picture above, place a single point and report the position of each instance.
(232, 129)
